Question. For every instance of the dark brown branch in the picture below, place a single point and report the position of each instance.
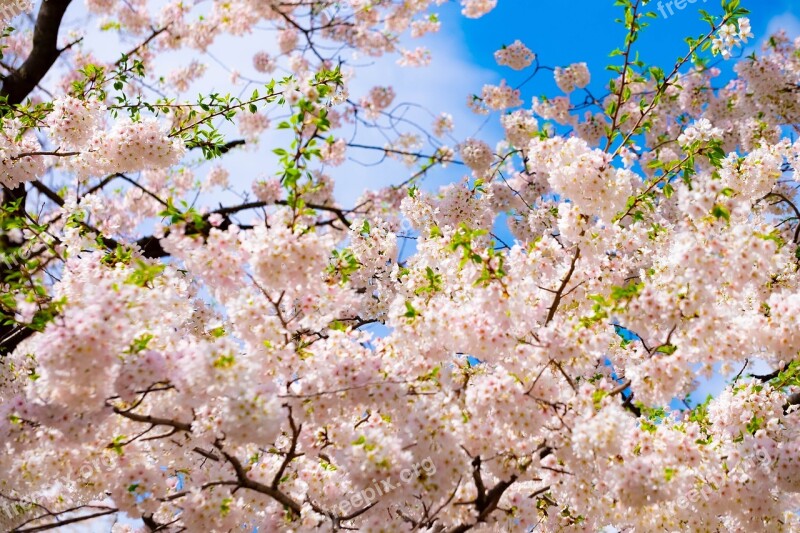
(150, 522)
(155, 33)
(64, 522)
(225, 148)
(791, 400)
(767, 377)
(336, 520)
(359, 512)
(620, 388)
(486, 501)
(418, 155)
(560, 291)
(629, 40)
(19, 84)
(11, 336)
(179, 495)
(47, 191)
(156, 421)
(292, 454)
(791, 204)
(247, 483)
(152, 249)
(207, 455)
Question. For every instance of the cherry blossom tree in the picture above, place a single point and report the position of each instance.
(198, 366)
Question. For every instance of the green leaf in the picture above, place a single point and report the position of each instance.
(668, 349)
(720, 211)
(144, 274)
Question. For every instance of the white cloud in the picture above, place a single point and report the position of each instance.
(443, 86)
(786, 21)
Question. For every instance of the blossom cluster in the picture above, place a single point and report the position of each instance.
(516, 56)
(575, 76)
(18, 157)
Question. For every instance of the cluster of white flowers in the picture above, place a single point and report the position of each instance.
(418, 57)
(132, 146)
(263, 62)
(78, 126)
(572, 77)
(378, 99)
(729, 36)
(287, 40)
(702, 131)
(73, 122)
(477, 155)
(593, 127)
(405, 147)
(241, 364)
(216, 177)
(252, 125)
(425, 26)
(15, 166)
(557, 109)
(520, 127)
(443, 124)
(333, 153)
(516, 56)
(477, 8)
(499, 97)
(182, 78)
(12, 8)
(581, 174)
(267, 191)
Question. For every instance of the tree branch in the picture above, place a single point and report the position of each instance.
(19, 84)
(61, 523)
(560, 291)
(248, 483)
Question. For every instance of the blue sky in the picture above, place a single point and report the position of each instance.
(584, 30)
